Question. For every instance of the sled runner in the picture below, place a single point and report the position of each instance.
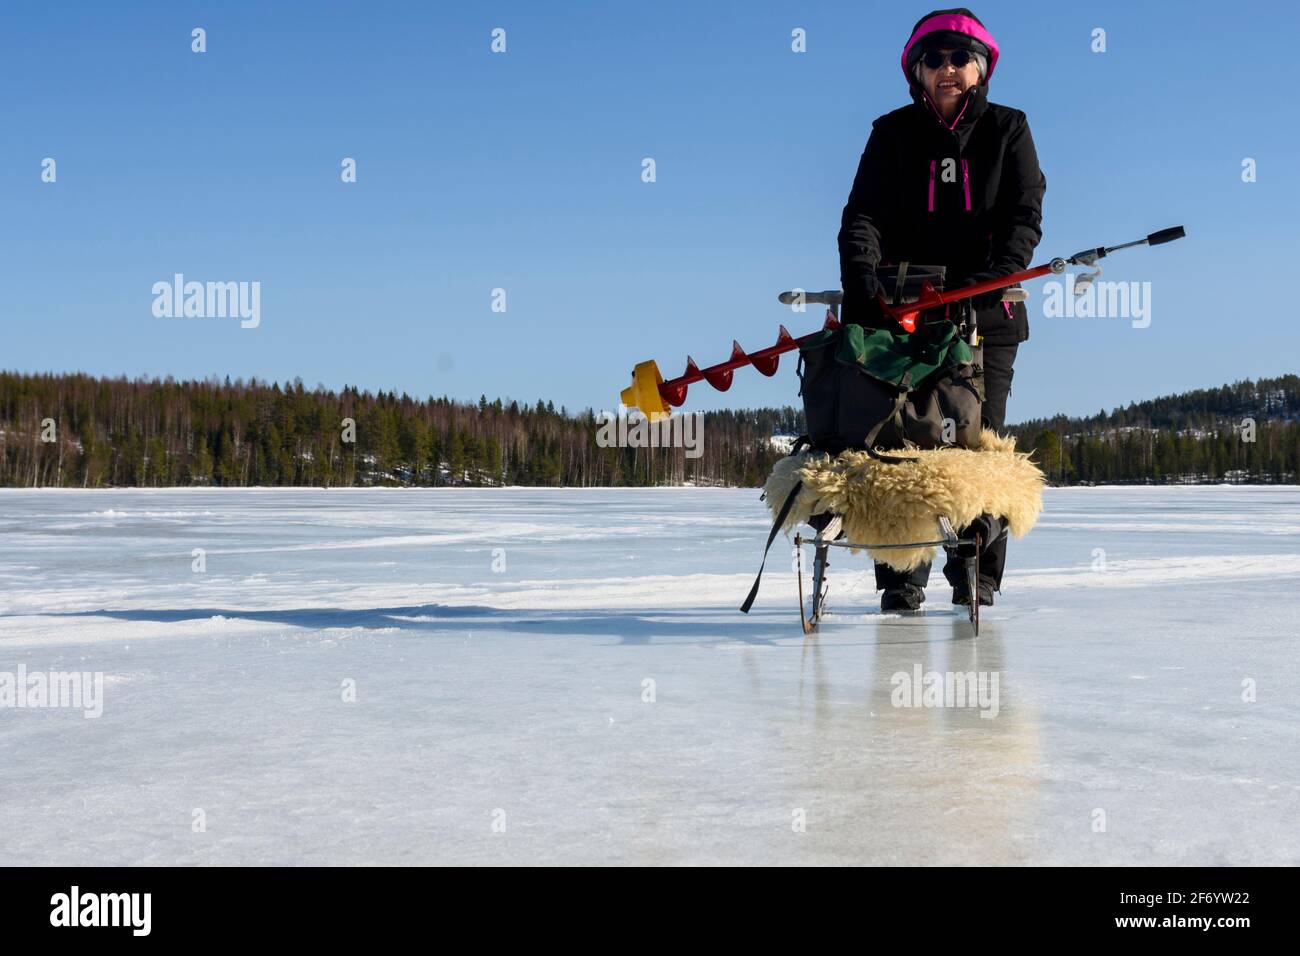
(828, 537)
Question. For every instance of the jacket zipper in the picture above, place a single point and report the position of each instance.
(939, 116)
(965, 166)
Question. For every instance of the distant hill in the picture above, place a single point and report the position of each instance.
(74, 430)
(1276, 399)
(1245, 432)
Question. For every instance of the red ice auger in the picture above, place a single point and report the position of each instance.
(655, 397)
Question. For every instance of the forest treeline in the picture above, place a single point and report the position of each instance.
(74, 430)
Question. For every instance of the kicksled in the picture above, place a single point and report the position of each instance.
(831, 536)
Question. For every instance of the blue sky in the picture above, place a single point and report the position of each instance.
(523, 171)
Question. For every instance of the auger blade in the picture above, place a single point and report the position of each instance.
(769, 358)
(673, 393)
(719, 378)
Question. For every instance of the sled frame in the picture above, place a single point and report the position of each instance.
(826, 538)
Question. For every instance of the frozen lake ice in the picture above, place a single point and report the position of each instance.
(561, 676)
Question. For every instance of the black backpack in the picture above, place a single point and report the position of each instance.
(864, 388)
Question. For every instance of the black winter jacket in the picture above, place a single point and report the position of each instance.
(969, 197)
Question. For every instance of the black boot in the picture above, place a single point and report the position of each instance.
(992, 556)
(961, 592)
(904, 590)
(906, 598)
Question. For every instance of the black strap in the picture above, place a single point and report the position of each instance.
(899, 284)
(776, 526)
(870, 442)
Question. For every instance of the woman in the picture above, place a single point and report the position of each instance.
(949, 180)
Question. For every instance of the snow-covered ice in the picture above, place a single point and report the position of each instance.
(503, 643)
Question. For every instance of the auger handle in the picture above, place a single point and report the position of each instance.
(1166, 235)
(1089, 257)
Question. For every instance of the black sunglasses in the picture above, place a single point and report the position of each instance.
(935, 59)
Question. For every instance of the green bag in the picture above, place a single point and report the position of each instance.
(865, 388)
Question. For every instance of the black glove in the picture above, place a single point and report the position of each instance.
(985, 300)
(869, 286)
(863, 306)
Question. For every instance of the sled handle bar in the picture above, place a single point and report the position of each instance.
(946, 542)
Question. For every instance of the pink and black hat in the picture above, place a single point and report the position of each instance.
(956, 29)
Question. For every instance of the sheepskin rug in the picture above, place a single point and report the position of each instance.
(893, 504)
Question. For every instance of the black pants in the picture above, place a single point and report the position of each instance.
(998, 371)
